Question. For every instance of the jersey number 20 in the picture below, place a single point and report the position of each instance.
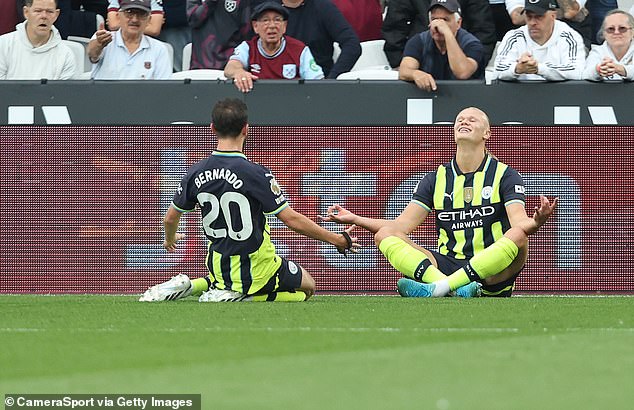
(223, 205)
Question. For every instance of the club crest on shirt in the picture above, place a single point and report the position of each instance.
(468, 194)
(289, 71)
(487, 191)
(231, 5)
(275, 188)
(147, 65)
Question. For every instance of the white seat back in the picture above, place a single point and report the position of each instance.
(372, 56)
(370, 74)
(80, 56)
(203, 74)
(187, 56)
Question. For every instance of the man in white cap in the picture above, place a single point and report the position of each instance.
(543, 49)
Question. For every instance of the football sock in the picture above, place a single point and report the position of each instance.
(491, 261)
(410, 261)
(298, 296)
(200, 285)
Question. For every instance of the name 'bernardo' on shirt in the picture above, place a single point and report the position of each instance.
(215, 174)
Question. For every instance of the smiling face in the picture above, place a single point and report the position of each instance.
(472, 126)
(40, 16)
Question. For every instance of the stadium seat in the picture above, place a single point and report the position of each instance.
(170, 52)
(372, 56)
(203, 74)
(80, 56)
(87, 65)
(489, 71)
(369, 74)
(187, 56)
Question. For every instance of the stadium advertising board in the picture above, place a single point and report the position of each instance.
(82, 207)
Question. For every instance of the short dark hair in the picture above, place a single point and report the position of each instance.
(228, 117)
(29, 3)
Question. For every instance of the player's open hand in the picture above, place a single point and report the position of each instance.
(339, 214)
(171, 245)
(351, 242)
(544, 210)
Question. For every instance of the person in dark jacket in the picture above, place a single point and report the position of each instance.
(406, 18)
(217, 27)
(319, 24)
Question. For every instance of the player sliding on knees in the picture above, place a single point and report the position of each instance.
(481, 222)
(234, 196)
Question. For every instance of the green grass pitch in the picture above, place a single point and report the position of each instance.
(333, 352)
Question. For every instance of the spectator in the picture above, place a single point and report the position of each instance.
(319, 24)
(271, 54)
(365, 17)
(570, 12)
(614, 59)
(543, 49)
(9, 16)
(406, 18)
(95, 6)
(128, 54)
(35, 49)
(501, 19)
(152, 29)
(176, 30)
(598, 10)
(217, 27)
(444, 52)
(72, 22)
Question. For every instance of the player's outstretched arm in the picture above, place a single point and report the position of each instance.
(170, 223)
(411, 217)
(339, 214)
(302, 225)
(519, 219)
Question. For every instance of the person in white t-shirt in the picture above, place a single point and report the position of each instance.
(543, 49)
(614, 59)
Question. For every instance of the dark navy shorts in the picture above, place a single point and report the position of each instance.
(288, 278)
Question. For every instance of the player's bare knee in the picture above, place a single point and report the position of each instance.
(383, 233)
(308, 285)
(518, 236)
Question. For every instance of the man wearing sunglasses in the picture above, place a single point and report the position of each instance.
(614, 59)
(128, 54)
(545, 49)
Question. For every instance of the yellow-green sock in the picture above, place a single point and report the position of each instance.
(298, 296)
(200, 285)
(491, 261)
(410, 261)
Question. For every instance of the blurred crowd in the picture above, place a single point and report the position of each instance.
(421, 41)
